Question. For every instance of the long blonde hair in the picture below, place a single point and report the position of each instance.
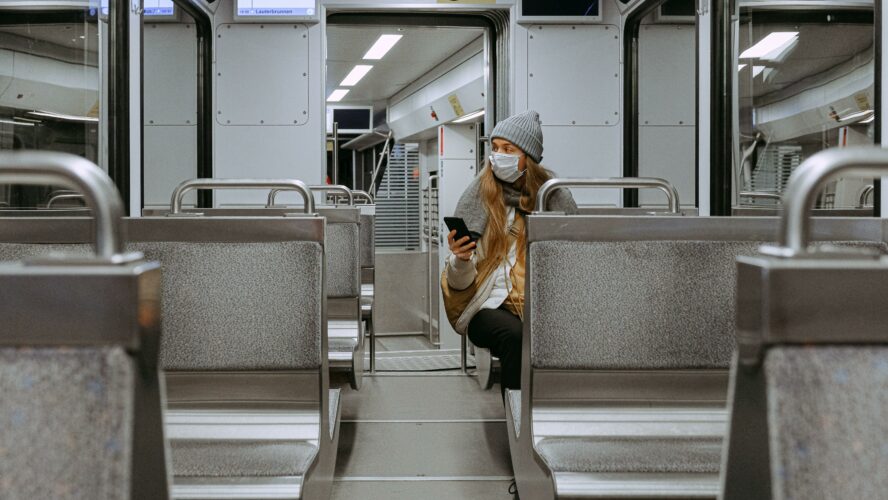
(496, 234)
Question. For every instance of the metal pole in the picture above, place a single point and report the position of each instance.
(431, 241)
(335, 175)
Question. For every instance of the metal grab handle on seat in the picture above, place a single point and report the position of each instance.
(281, 184)
(808, 180)
(753, 195)
(334, 188)
(547, 189)
(63, 196)
(99, 192)
(362, 195)
(865, 194)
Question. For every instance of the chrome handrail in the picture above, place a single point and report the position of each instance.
(865, 194)
(99, 192)
(364, 195)
(808, 180)
(64, 196)
(550, 186)
(335, 188)
(281, 184)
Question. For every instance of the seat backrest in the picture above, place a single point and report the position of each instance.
(633, 304)
(80, 415)
(807, 415)
(343, 252)
(826, 415)
(368, 240)
(239, 294)
(638, 293)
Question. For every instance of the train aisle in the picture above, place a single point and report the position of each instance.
(430, 435)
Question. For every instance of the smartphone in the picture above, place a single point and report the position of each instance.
(459, 225)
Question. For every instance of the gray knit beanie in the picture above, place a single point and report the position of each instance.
(523, 130)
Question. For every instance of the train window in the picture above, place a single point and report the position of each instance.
(805, 84)
(51, 68)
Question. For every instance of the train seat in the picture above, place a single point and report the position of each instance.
(368, 274)
(246, 380)
(343, 287)
(809, 378)
(628, 340)
(81, 406)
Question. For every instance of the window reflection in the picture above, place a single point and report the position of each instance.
(805, 84)
(49, 89)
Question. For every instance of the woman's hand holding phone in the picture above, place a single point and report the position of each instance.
(462, 247)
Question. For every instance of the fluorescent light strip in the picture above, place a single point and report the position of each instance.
(382, 46)
(62, 116)
(23, 124)
(337, 95)
(355, 75)
(470, 116)
(775, 42)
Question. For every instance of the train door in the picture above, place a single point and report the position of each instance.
(408, 99)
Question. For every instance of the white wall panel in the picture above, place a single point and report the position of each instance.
(262, 74)
(170, 158)
(573, 74)
(170, 106)
(585, 152)
(669, 153)
(667, 109)
(667, 73)
(268, 152)
(170, 69)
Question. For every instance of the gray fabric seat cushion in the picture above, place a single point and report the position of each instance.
(66, 417)
(629, 454)
(343, 260)
(633, 305)
(515, 408)
(368, 240)
(239, 306)
(333, 408)
(827, 421)
(241, 458)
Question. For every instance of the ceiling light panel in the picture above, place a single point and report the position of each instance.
(382, 46)
(775, 43)
(355, 75)
(337, 95)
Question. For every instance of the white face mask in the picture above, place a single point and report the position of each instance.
(505, 167)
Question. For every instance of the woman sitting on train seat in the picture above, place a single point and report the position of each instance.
(483, 283)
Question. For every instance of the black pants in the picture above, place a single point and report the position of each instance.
(500, 331)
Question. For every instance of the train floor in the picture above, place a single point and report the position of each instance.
(422, 435)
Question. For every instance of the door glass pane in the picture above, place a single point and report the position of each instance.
(805, 84)
(50, 81)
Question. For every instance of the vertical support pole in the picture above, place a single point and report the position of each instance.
(335, 175)
(722, 109)
(431, 242)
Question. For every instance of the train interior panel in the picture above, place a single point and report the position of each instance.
(321, 249)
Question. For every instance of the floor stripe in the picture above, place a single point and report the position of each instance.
(423, 478)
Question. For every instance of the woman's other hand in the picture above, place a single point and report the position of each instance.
(462, 248)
